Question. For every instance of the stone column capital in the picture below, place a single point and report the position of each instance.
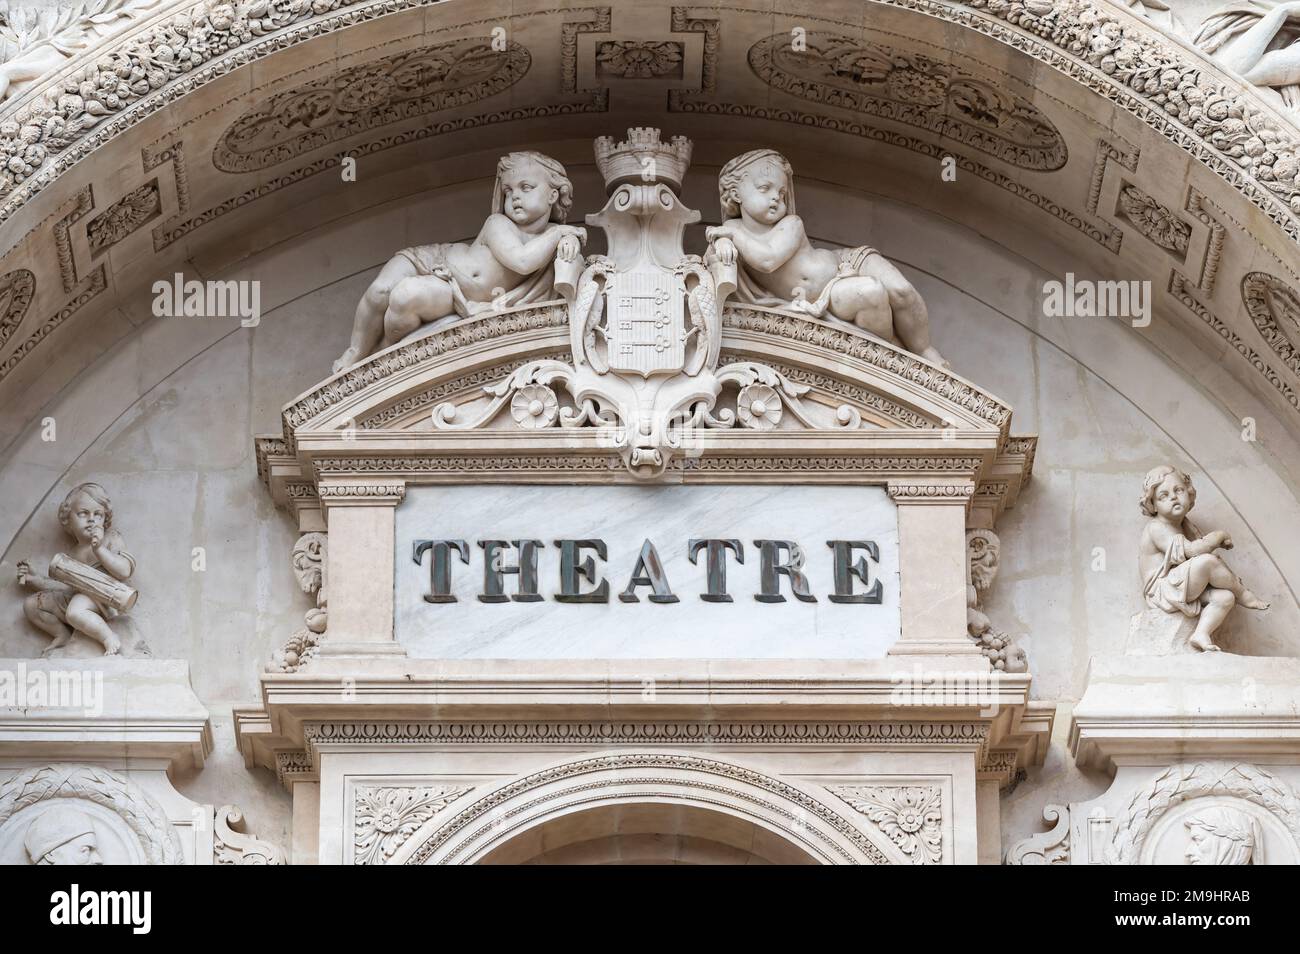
(932, 491)
(361, 493)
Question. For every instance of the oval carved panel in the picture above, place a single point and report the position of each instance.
(910, 88)
(1274, 307)
(16, 289)
(404, 86)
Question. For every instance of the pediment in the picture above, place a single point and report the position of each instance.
(866, 411)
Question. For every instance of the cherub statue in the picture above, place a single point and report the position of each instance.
(1259, 40)
(510, 263)
(780, 267)
(1181, 573)
(60, 607)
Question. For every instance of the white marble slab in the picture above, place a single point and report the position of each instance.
(624, 517)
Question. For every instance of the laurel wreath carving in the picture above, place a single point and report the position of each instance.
(1188, 780)
(141, 812)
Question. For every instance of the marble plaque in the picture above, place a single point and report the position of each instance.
(625, 517)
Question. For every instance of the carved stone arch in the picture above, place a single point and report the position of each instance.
(793, 814)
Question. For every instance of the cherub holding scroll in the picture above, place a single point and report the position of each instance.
(780, 267)
(91, 587)
(510, 263)
(1181, 572)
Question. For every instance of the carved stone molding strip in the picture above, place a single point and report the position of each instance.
(1196, 205)
(877, 403)
(931, 493)
(628, 766)
(290, 766)
(641, 733)
(839, 464)
(1178, 288)
(911, 816)
(473, 381)
(1108, 152)
(143, 815)
(875, 353)
(871, 79)
(361, 494)
(418, 351)
(1108, 238)
(384, 817)
(1274, 307)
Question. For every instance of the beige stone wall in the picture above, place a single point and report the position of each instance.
(164, 420)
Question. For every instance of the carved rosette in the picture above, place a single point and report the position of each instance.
(910, 816)
(385, 817)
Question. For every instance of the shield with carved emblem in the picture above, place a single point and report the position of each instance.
(644, 319)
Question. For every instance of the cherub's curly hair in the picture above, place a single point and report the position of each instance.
(557, 178)
(734, 172)
(95, 493)
(1155, 476)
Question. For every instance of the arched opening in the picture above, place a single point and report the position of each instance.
(648, 833)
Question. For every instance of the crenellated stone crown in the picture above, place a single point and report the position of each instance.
(643, 158)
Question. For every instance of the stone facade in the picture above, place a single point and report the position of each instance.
(325, 327)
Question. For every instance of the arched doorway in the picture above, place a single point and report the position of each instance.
(648, 833)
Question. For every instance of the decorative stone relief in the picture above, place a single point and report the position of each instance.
(645, 324)
(38, 38)
(1188, 588)
(1049, 847)
(83, 815)
(232, 845)
(1217, 803)
(1274, 307)
(123, 217)
(877, 80)
(1260, 39)
(16, 291)
(983, 557)
(509, 264)
(385, 817)
(407, 85)
(639, 59)
(87, 587)
(911, 816)
(309, 561)
(777, 266)
(1157, 222)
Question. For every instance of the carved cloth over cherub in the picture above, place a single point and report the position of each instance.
(432, 260)
(1166, 588)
